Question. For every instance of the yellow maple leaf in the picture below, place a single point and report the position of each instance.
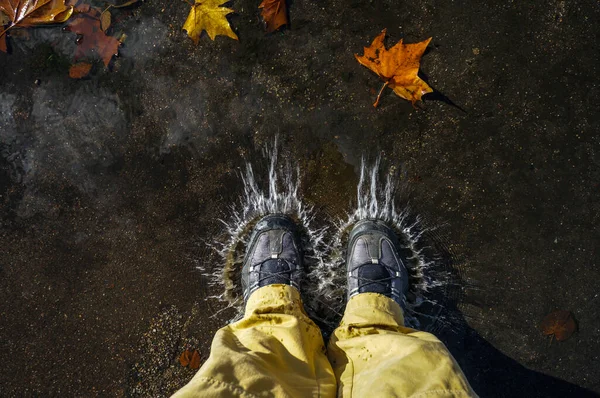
(209, 16)
(398, 67)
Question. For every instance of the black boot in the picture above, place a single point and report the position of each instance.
(374, 263)
(274, 255)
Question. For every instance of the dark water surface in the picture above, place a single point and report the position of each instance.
(110, 185)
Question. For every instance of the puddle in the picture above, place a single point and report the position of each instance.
(434, 283)
(433, 279)
(277, 194)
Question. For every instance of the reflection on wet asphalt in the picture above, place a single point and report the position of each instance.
(111, 186)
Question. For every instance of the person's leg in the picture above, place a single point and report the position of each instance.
(275, 350)
(371, 352)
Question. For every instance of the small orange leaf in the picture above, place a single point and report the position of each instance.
(79, 70)
(398, 67)
(559, 324)
(185, 357)
(274, 13)
(195, 361)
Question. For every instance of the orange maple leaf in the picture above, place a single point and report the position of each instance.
(274, 13)
(398, 67)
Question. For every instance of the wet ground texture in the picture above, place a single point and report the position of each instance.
(110, 185)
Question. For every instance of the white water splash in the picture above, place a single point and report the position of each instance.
(279, 194)
(324, 287)
(430, 274)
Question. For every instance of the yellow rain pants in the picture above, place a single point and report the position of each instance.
(277, 351)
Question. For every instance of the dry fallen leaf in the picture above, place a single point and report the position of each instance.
(209, 16)
(93, 39)
(398, 67)
(23, 14)
(195, 361)
(79, 70)
(185, 357)
(274, 13)
(105, 20)
(559, 324)
(191, 358)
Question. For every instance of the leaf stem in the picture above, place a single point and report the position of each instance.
(379, 95)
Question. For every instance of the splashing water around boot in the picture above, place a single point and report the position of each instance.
(431, 275)
(432, 279)
(281, 196)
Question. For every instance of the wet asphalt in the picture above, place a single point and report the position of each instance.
(111, 185)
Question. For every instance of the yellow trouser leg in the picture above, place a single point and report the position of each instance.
(374, 355)
(274, 351)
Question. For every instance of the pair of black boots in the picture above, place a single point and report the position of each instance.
(373, 261)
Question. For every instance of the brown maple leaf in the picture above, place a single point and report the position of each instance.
(274, 13)
(87, 23)
(398, 67)
(23, 14)
(559, 324)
